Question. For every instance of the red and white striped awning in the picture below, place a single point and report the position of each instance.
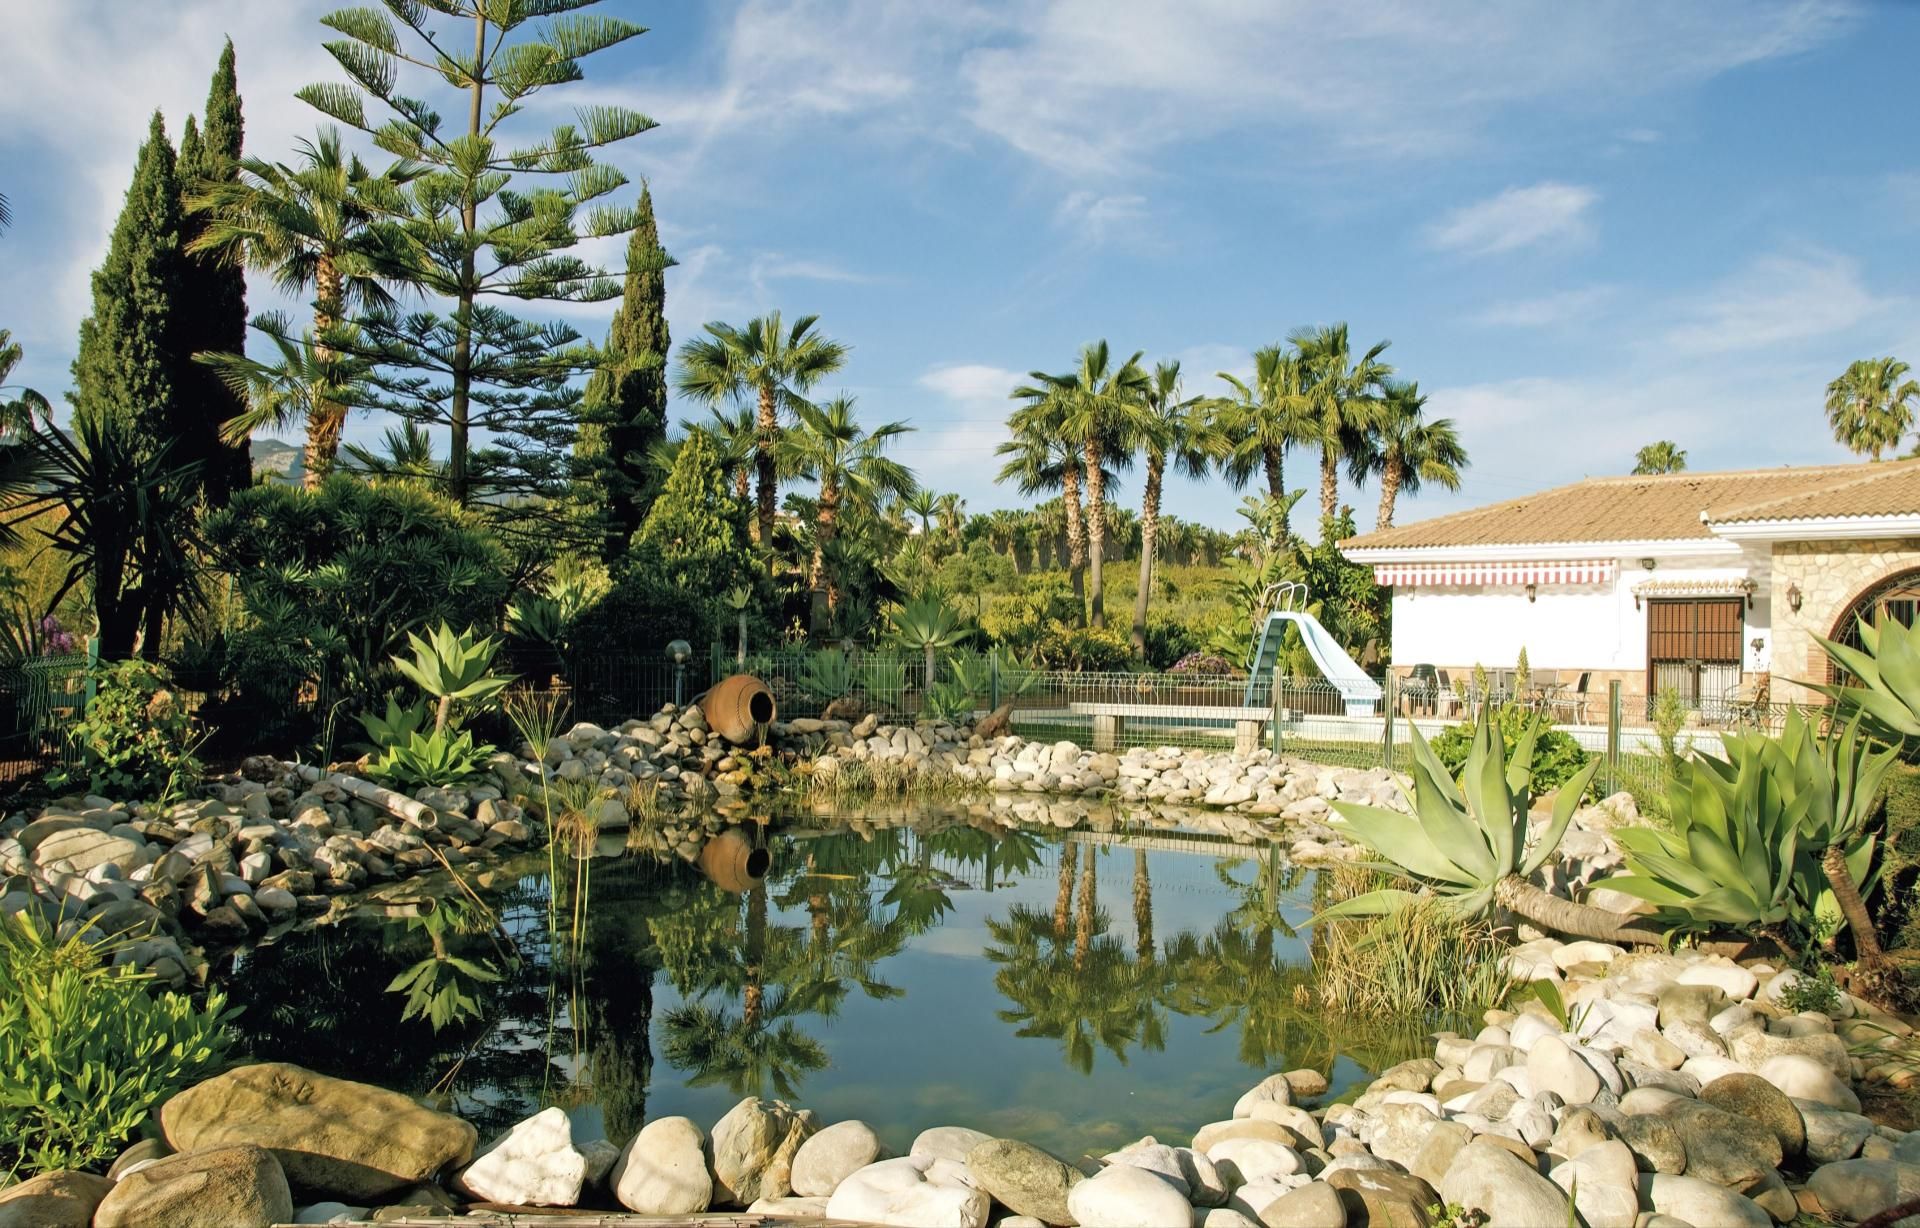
(1437, 575)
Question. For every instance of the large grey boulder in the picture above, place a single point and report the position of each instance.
(1693, 1201)
(1127, 1197)
(827, 1158)
(332, 1136)
(1492, 1179)
(1023, 1178)
(1854, 1190)
(1757, 1100)
(59, 1199)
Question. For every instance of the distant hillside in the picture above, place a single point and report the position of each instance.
(276, 459)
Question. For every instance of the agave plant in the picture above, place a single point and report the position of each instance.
(826, 675)
(739, 599)
(1466, 842)
(452, 668)
(433, 760)
(929, 624)
(1772, 835)
(1885, 694)
(399, 724)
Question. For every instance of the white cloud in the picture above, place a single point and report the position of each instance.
(1096, 86)
(1516, 218)
(1777, 300)
(1548, 310)
(972, 386)
(1096, 219)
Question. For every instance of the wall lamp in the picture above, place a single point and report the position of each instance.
(1793, 598)
(1530, 594)
(1646, 564)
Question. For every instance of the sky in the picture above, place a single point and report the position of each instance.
(1582, 227)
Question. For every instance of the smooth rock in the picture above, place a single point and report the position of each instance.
(1245, 1160)
(898, 1192)
(947, 1143)
(1556, 1068)
(1306, 1084)
(1724, 975)
(1603, 1182)
(1771, 1195)
(663, 1170)
(1315, 1205)
(1578, 1130)
(533, 1164)
(1853, 1190)
(1127, 1197)
(233, 1186)
(1700, 1203)
(1023, 1178)
(799, 1207)
(1274, 1088)
(1656, 1050)
(830, 1156)
(1756, 1099)
(328, 1213)
(59, 1199)
(334, 1136)
(1831, 1134)
(1512, 1194)
(1382, 1198)
(1722, 1148)
(1656, 1145)
(1442, 1144)
(1803, 1078)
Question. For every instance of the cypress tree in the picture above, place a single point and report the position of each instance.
(216, 290)
(624, 410)
(125, 371)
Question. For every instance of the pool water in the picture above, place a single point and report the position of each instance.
(1075, 987)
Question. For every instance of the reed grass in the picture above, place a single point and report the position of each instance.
(1419, 960)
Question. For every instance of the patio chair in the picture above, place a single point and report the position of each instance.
(1568, 705)
(1421, 688)
(1747, 706)
(1445, 702)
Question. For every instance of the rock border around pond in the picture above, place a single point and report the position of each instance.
(1679, 1091)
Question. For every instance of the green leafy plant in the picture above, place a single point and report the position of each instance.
(1884, 691)
(87, 1049)
(1548, 994)
(1815, 991)
(949, 700)
(1083, 648)
(435, 759)
(399, 724)
(1557, 758)
(1411, 961)
(137, 737)
(825, 675)
(452, 668)
(883, 681)
(1669, 718)
(1466, 842)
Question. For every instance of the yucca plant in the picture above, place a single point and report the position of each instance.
(1466, 843)
(452, 668)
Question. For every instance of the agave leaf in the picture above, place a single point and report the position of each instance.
(1564, 804)
(1401, 841)
(1436, 770)
(1641, 887)
(1520, 763)
(1379, 903)
(1454, 835)
(1718, 861)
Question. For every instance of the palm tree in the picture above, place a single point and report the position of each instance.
(773, 367)
(1168, 428)
(1041, 457)
(1343, 394)
(1661, 456)
(952, 509)
(924, 504)
(309, 382)
(1406, 450)
(734, 437)
(312, 227)
(1098, 402)
(1872, 405)
(18, 412)
(1266, 418)
(849, 463)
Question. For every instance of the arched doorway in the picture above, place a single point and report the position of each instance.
(1895, 597)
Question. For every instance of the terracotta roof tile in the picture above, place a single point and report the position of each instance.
(1667, 507)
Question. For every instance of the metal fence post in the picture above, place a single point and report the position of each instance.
(1278, 711)
(1389, 698)
(1613, 736)
(93, 661)
(993, 681)
(715, 656)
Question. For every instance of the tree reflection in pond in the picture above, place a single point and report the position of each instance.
(951, 970)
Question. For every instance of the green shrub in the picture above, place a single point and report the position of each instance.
(647, 610)
(136, 735)
(332, 581)
(1019, 620)
(826, 676)
(1083, 648)
(1411, 961)
(1557, 758)
(437, 759)
(1815, 991)
(87, 1051)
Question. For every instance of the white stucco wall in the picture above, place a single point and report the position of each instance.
(1571, 627)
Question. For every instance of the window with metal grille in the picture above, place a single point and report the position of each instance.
(1894, 599)
(1694, 647)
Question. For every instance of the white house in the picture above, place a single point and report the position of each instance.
(1700, 581)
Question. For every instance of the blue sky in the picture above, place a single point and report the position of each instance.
(1583, 227)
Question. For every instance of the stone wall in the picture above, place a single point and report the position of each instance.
(1831, 576)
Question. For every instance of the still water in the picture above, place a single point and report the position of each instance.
(1073, 987)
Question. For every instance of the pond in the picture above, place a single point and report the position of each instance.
(1075, 980)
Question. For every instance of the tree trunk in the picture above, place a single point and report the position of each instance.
(1149, 529)
(1096, 534)
(1083, 914)
(751, 997)
(766, 484)
(1389, 491)
(1329, 479)
(823, 533)
(1142, 908)
(1063, 902)
(326, 420)
(462, 365)
(1550, 912)
(1076, 534)
(1866, 943)
(1276, 461)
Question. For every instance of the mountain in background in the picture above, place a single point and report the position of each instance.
(277, 460)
